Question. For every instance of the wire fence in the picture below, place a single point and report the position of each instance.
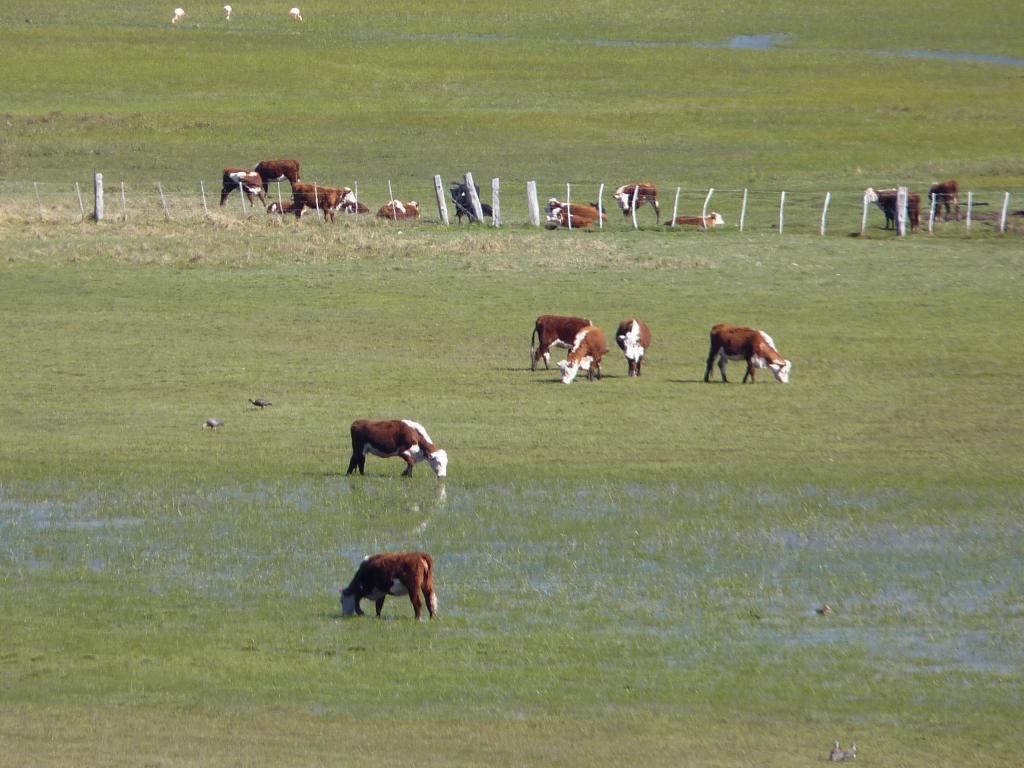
(982, 210)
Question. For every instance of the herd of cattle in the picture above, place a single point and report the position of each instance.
(628, 198)
(412, 573)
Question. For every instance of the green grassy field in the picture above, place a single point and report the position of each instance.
(628, 569)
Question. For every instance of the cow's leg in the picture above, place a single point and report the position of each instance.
(722, 362)
(380, 606)
(657, 211)
(408, 460)
(358, 461)
(750, 372)
(417, 603)
(431, 600)
(359, 610)
(225, 191)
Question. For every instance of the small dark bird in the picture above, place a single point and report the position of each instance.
(825, 610)
(212, 424)
(836, 755)
(260, 403)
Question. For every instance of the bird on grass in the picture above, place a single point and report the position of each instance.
(260, 403)
(836, 755)
(825, 610)
(212, 424)
(227, 12)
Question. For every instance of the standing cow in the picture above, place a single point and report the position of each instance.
(278, 170)
(249, 182)
(732, 342)
(634, 339)
(644, 191)
(392, 573)
(886, 200)
(946, 194)
(553, 331)
(589, 347)
(399, 437)
(464, 203)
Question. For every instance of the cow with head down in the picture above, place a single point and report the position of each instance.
(634, 339)
(403, 438)
(755, 347)
(319, 198)
(392, 573)
(588, 348)
(553, 331)
(887, 201)
(464, 203)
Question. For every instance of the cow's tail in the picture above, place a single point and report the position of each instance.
(428, 582)
(534, 337)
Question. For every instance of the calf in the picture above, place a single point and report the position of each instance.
(248, 182)
(353, 206)
(464, 203)
(886, 200)
(326, 199)
(392, 573)
(287, 206)
(704, 222)
(561, 214)
(587, 350)
(634, 339)
(732, 342)
(403, 438)
(946, 194)
(396, 210)
(553, 331)
(645, 193)
(278, 170)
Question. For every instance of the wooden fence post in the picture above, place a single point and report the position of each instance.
(675, 208)
(901, 211)
(442, 205)
(495, 203)
(81, 205)
(931, 212)
(474, 198)
(743, 210)
(824, 212)
(704, 210)
(782, 211)
(970, 209)
(1006, 208)
(532, 203)
(97, 181)
(600, 206)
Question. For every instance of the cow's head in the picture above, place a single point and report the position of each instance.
(571, 366)
(349, 601)
(716, 219)
(438, 461)
(781, 371)
(870, 195)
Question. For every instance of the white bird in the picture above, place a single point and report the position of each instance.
(179, 14)
(227, 12)
(296, 14)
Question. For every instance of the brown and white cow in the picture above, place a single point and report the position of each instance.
(710, 221)
(353, 206)
(645, 193)
(396, 210)
(886, 199)
(248, 181)
(315, 196)
(946, 195)
(392, 573)
(560, 214)
(553, 331)
(286, 207)
(634, 339)
(278, 170)
(397, 437)
(733, 342)
(589, 347)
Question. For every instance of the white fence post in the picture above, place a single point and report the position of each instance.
(824, 212)
(970, 209)
(1006, 208)
(98, 188)
(600, 207)
(241, 195)
(864, 214)
(39, 200)
(391, 198)
(202, 190)
(474, 198)
(743, 209)
(316, 197)
(124, 204)
(632, 205)
(163, 200)
(495, 203)
(704, 210)
(532, 203)
(568, 204)
(280, 204)
(442, 204)
(901, 211)
(931, 213)
(81, 205)
(675, 208)
(782, 211)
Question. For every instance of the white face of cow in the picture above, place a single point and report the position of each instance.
(631, 343)
(570, 369)
(717, 220)
(439, 462)
(870, 195)
(781, 371)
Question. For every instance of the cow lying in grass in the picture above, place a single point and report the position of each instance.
(392, 573)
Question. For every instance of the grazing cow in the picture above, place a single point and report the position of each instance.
(732, 342)
(885, 199)
(587, 350)
(553, 331)
(327, 199)
(404, 438)
(287, 206)
(634, 339)
(397, 210)
(248, 181)
(464, 203)
(946, 194)
(645, 193)
(278, 170)
(560, 214)
(179, 14)
(710, 221)
(392, 573)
